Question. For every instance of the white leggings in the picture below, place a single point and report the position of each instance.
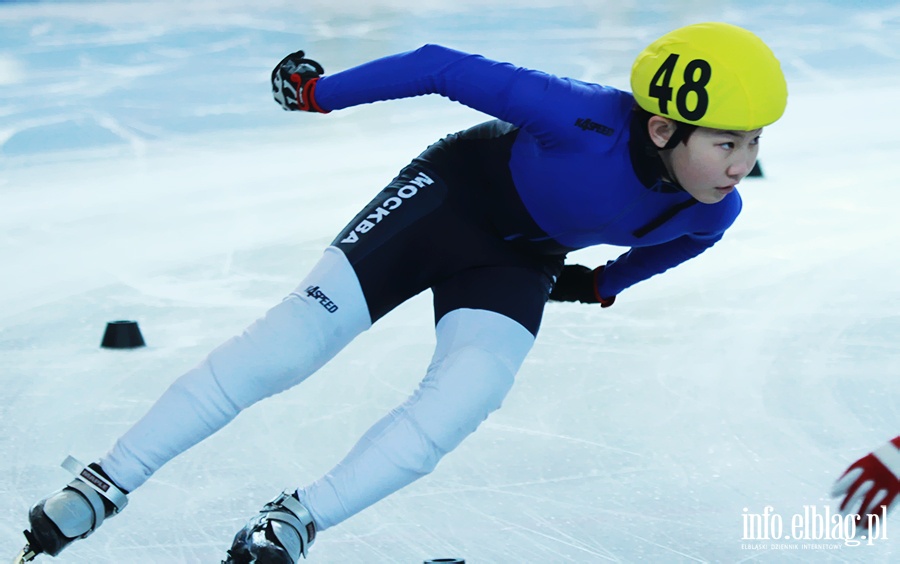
(477, 355)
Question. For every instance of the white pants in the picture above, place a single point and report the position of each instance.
(477, 355)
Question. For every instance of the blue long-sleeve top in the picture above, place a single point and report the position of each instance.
(570, 162)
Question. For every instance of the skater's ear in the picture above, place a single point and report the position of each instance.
(660, 129)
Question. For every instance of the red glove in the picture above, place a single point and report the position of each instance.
(870, 482)
(294, 83)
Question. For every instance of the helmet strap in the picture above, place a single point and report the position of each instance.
(681, 133)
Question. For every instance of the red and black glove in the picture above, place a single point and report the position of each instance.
(870, 482)
(577, 283)
(294, 83)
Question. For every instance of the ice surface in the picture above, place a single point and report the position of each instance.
(146, 174)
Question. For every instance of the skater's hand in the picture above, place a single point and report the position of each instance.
(294, 83)
(870, 482)
(577, 283)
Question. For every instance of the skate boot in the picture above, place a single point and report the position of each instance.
(280, 534)
(73, 512)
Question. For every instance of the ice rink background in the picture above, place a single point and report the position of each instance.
(145, 173)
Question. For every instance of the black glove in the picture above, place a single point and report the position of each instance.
(294, 83)
(577, 283)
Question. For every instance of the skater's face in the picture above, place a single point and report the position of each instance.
(712, 161)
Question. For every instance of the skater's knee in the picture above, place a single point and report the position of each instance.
(473, 380)
(457, 396)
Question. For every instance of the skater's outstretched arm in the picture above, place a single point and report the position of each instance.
(545, 105)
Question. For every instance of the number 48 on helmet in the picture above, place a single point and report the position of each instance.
(713, 75)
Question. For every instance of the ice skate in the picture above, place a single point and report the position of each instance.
(73, 512)
(280, 534)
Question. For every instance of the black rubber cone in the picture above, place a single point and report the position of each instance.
(122, 335)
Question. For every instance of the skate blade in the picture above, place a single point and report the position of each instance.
(26, 555)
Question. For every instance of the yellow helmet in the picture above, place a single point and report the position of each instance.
(711, 75)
